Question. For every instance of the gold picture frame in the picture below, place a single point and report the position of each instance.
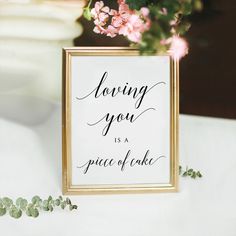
(68, 188)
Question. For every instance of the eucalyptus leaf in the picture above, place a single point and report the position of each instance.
(46, 208)
(35, 199)
(15, 212)
(23, 204)
(34, 212)
(28, 213)
(185, 174)
(7, 202)
(68, 201)
(57, 202)
(45, 203)
(49, 198)
(63, 205)
(71, 207)
(18, 201)
(50, 207)
(3, 211)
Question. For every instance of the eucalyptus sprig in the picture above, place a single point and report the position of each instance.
(189, 172)
(33, 207)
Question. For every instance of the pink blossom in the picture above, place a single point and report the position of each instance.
(125, 22)
(100, 13)
(178, 47)
(99, 29)
(144, 11)
(133, 28)
(111, 31)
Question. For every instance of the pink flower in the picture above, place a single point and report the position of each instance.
(144, 11)
(111, 31)
(99, 29)
(121, 17)
(178, 47)
(125, 22)
(133, 29)
(100, 13)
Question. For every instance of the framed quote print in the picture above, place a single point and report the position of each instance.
(120, 121)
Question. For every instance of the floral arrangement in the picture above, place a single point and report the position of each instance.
(152, 25)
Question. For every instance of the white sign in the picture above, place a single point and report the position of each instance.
(120, 121)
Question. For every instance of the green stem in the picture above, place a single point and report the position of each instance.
(90, 2)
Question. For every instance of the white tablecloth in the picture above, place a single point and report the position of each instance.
(30, 163)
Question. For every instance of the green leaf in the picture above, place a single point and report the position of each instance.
(15, 212)
(50, 207)
(73, 207)
(34, 212)
(63, 205)
(180, 169)
(28, 213)
(68, 201)
(36, 199)
(185, 173)
(45, 205)
(18, 214)
(87, 13)
(45, 208)
(23, 204)
(18, 201)
(57, 202)
(7, 202)
(194, 175)
(190, 172)
(49, 198)
(3, 211)
(199, 174)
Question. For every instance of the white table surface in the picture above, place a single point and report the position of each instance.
(30, 163)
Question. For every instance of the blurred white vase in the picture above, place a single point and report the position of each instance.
(32, 34)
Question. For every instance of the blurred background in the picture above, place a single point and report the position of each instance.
(32, 33)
